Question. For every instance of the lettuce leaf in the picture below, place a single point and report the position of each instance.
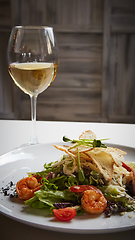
(46, 198)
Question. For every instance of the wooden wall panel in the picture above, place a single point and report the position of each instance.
(6, 98)
(79, 80)
(118, 56)
(80, 53)
(123, 16)
(79, 38)
(70, 95)
(121, 67)
(95, 80)
(65, 111)
(5, 15)
(122, 77)
(6, 84)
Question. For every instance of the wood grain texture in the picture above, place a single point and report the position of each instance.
(64, 111)
(95, 79)
(106, 56)
(123, 16)
(122, 74)
(5, 15)
(6, 84)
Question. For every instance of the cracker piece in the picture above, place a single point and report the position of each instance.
(119, 151)
(117, 155)
(63, 148)
(88, 135)
(85, 157)
(103, 161)
(82, 148)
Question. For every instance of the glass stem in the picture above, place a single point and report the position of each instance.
(33, 137)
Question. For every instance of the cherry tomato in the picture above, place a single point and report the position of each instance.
(35, 175)
(82, 188)
(65, 214)
(38, 178)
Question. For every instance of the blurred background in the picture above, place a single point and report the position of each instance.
(96, 75)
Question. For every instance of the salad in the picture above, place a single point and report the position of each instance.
(89, 178)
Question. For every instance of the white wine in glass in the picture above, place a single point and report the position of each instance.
(32, 63)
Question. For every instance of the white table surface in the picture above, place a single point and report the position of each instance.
(15, 133)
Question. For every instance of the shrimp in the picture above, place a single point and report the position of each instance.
(26, 187)
(93, 201)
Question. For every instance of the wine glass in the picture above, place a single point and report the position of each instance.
(32, 55)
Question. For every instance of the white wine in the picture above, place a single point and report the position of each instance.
(33, 77)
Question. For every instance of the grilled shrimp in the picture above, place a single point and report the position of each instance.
(93, 201)
(26, 187)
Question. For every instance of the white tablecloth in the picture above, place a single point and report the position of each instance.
(16, 133)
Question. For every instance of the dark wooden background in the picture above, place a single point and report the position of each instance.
(96, 76)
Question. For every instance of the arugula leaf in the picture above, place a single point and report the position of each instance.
(60, 181)
(81, 176)
(72, 181)
(88, 142)
(98, 143)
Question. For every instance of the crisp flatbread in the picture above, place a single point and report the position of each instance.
(63, 148)
(99, 159)
(103, 161)
(88, 135)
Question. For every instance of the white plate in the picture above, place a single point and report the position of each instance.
(15, 165)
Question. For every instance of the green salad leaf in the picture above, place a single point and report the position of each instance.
(88, 142)
(80, 173)
(46, 198)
